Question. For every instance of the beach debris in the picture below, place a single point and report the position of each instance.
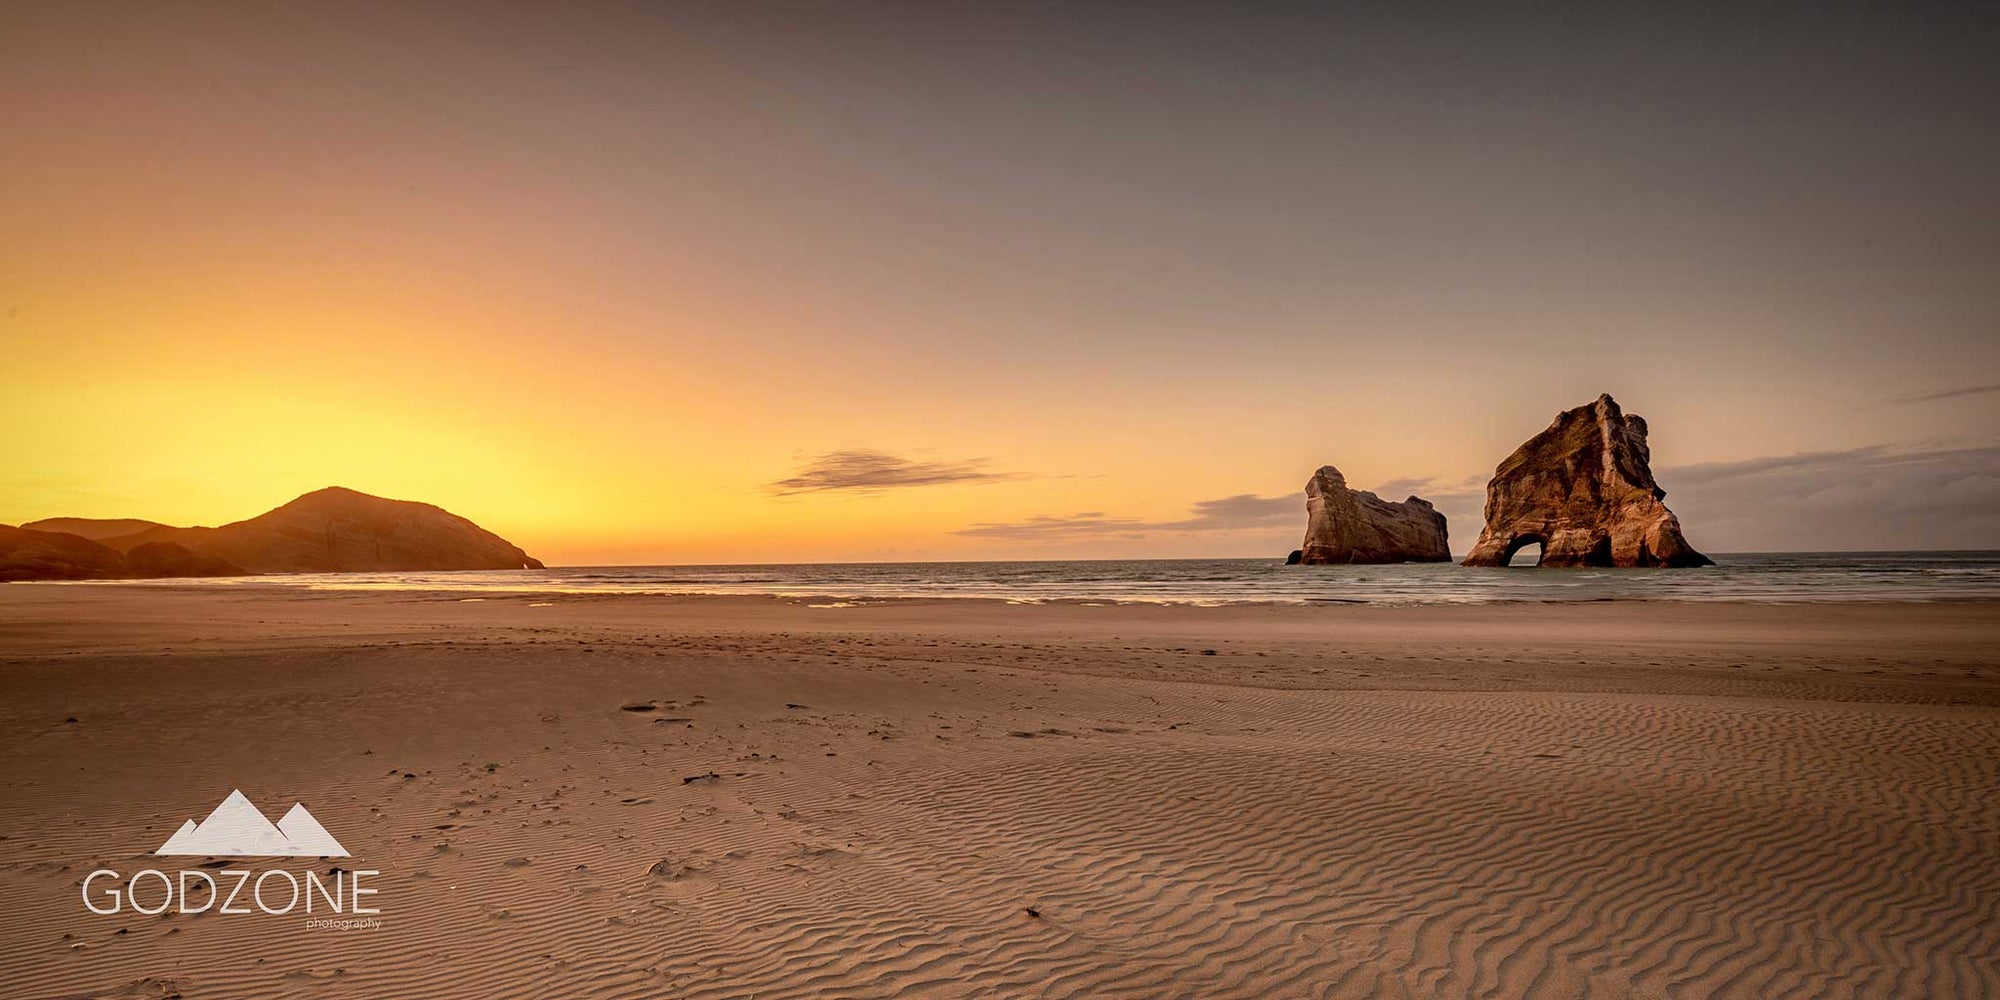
(640, 706)
(1032, 912)
(692, 778)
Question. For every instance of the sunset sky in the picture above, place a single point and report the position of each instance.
(720, 282)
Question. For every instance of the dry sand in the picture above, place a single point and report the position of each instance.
(970, 799)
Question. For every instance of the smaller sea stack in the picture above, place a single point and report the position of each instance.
(1356, 526)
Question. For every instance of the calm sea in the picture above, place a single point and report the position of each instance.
(1789, 577)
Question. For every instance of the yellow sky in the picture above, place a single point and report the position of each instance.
(597, 282)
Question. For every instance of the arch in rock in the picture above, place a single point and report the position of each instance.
(1583, 489)
(1522, 541)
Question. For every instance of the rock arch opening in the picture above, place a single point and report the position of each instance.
(1524, 551)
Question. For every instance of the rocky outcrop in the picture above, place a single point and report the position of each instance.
(338, 530)
(59, 555)
(55, 555)
(333, 530)
(1356, 526)
(96, 529)
(1583, 489)
(152, 560)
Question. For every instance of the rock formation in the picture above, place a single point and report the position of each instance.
(338, 530)
(151, 560)
(333, 530)
(55, 555)
(96, 529)
(1584, 491)
(1356, 526)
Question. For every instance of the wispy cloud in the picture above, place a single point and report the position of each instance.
(1971, 390)
(1816, 469)
(1877, 497)
(1232, 513)
(1043, 527)
(867, 471)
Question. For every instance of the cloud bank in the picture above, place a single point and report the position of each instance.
(1862, 498)
(1880, 498)
(1232, 513)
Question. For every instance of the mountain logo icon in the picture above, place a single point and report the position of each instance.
(237, 829)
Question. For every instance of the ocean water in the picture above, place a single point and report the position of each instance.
(1789, 577)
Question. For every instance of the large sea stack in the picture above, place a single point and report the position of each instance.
(1583, 490)
(1356, 526)
(333, 530)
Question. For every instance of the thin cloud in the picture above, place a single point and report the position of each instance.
(1871, 462)
(1876, 497)
(1231, 513)
(1972, 390)
(1241, 512)
(867, 471)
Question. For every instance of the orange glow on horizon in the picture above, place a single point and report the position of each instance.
(596, 281)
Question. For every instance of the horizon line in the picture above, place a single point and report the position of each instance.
(892, 562)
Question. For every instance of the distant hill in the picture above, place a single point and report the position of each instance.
(96, 529)
(55, 555)
(334, 530)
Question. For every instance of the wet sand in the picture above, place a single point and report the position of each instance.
(736, 797)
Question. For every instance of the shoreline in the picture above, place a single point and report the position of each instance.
(859, 599)
(1844, 651)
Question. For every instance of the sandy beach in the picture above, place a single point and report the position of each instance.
(754, 797)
